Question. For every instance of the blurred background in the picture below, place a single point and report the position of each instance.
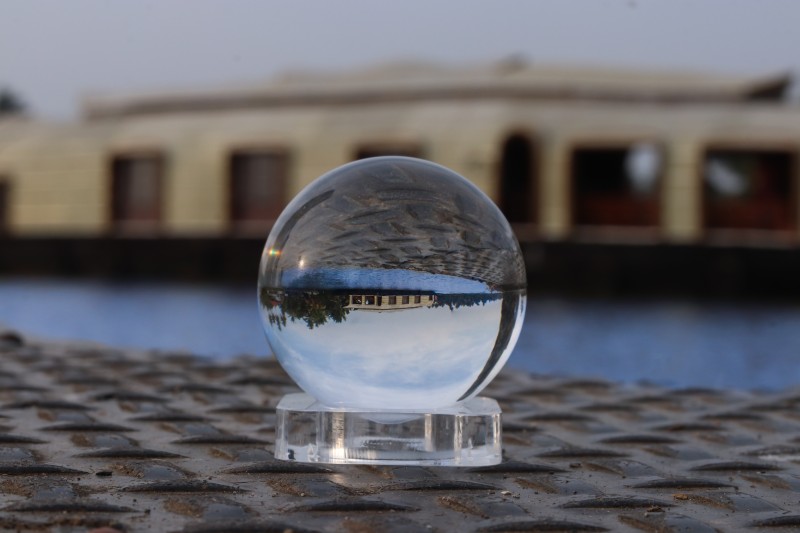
(645, 152)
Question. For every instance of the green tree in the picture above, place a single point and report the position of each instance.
(10, 103)
(454, 301)
(312, 307)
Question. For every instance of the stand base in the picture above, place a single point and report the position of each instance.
(465, 434)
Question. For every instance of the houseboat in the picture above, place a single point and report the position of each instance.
(636, 174)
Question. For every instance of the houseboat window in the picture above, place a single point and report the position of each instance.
(616, 186)
(356, 300)
(136, 191)
(405, 299)
(258, 182)
(392, 300)
(4, 204)
(749, 189)
(517, 178)
(378, 150)
(417, 299)
(369, 300)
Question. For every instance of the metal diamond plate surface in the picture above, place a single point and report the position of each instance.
(104, 440)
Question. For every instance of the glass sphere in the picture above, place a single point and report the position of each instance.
(392, 283)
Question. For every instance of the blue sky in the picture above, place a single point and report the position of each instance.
(54, 52)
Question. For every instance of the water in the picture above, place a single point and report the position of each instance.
(390, 349)
(677, 343)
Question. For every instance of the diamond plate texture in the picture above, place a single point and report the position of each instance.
(104, 440)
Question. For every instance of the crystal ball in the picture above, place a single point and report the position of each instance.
(392, 283)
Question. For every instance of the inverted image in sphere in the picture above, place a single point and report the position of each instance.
(392, 283)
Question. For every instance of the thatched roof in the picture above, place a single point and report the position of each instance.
(395, 82)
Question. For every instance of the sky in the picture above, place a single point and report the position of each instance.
(386, 359)
(55, 52)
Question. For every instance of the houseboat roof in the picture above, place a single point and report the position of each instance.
(410, 81)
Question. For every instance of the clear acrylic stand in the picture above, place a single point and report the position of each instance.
(465, 434)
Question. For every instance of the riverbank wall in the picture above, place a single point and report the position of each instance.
(552, 267)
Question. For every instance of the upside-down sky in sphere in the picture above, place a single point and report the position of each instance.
(53, 53)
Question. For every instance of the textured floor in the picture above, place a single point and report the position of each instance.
(104, 440)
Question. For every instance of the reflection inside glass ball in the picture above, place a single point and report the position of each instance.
(392, 283)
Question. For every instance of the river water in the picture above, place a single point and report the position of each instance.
(678, 343)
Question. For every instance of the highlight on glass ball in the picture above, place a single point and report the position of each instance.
(392, 283)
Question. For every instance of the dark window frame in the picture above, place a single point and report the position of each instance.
(256, 224)
(119, 222)
(5, 204)
(742, 234)
(616, 232)
(532, 218)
